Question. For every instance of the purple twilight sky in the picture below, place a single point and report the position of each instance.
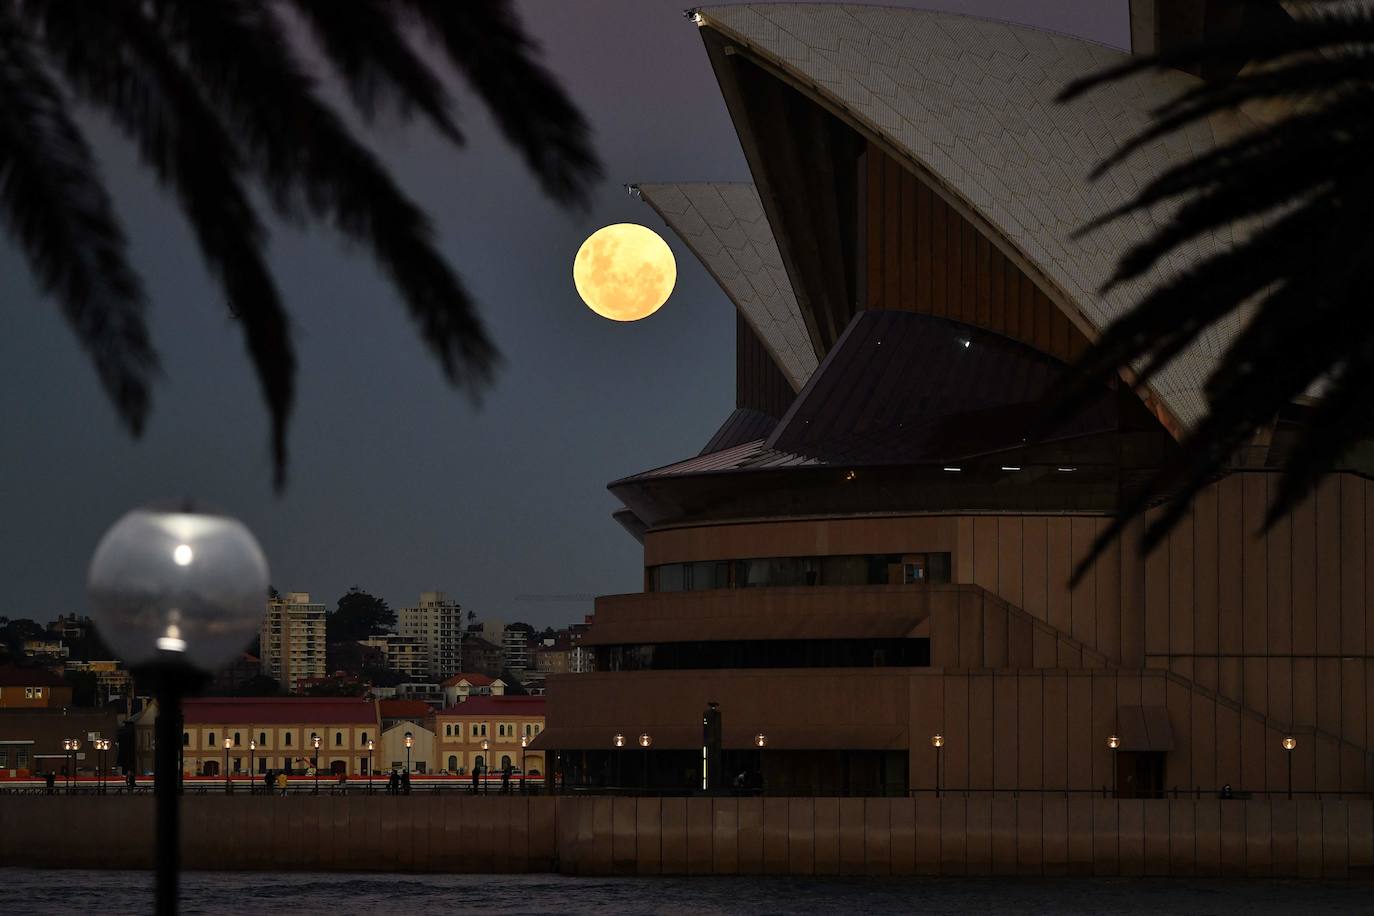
(397, 484)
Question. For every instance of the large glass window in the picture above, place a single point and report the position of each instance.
(766, 653)
(780, 572)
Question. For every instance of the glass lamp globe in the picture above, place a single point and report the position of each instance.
(182, 587)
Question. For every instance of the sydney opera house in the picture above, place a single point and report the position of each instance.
(873, 550)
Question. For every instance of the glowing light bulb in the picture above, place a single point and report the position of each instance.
(183, 555)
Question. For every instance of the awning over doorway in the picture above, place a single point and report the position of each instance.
(1144, 728)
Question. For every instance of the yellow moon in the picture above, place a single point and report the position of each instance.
(624, 272)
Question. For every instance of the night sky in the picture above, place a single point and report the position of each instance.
(397, 484)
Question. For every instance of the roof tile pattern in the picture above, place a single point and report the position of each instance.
(973, 101)
(725, 227)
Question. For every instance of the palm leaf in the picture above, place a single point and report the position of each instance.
(59, 213)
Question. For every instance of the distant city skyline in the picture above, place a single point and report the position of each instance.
(396, 484)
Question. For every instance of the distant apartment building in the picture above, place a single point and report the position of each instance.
(46, 649)
(438, 622)
(482, 656)
(515, 648)
(464, 686)
(406, 655)
(293, 640)
(112, 680)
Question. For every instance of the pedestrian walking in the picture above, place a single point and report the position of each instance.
(282, 783)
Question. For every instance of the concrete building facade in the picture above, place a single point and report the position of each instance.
(501, 721)
(438, 622)
(293, 640)
(268, 733)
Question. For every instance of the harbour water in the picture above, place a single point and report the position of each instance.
(231, 893)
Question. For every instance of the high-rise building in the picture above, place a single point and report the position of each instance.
(293, 640)
(438, 623)
(515, 648)
(867, 575)
(406, 655)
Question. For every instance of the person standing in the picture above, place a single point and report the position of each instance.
(282, 783)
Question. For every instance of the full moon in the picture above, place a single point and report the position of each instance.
(624, 272)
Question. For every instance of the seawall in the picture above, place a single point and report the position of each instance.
(1030, 835)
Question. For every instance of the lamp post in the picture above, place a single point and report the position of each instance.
(228, 786)
(645, 740)
(1289, 742)
(175, 593)
(760, 742)
(486, 764)
(1114, 742)
(937, 741)
(252, 771)
(99, 745)
(619, 742)
(315, 740)
(72, 745)
(371, 746)
(410, 740)
(524, 776)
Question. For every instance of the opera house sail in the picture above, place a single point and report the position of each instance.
(876, 546)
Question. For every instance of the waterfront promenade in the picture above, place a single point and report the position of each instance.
(1030, 835)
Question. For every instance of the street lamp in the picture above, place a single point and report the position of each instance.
(315, 740)
(371, 746)
(228, 786)
(1114, 742)
(524, 776)
(410, 740)
(175, 593)
(619, 742)
(486, 765)
(645, 740)
(1289, 742)
(937, 741)
(252, 773)
(760, 742)
(100, 745)
(71, 746)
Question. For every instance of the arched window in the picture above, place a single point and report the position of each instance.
(474, 729)
(288, 739)
(210, 741)
(238, 742)
(505, 761)
(262, 739)
(480, 763)
(364, 739)
(501, 731)
(185, 739)
(484, 732)
(338, 739)
(448, 731)
(452, 763)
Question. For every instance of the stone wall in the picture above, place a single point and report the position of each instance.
(1029, 835)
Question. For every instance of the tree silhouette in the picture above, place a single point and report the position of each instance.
(1301, 276)
(218, 104)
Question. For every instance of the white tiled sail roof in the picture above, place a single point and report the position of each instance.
(973, 102)
(724, 225)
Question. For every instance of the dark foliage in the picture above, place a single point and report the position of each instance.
(358, 616)
(1301, 270)
(219, 104)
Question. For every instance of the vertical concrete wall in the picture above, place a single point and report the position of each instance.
(1005, 835)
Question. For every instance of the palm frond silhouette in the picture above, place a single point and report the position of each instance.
(1303, 182)
(219, 104)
